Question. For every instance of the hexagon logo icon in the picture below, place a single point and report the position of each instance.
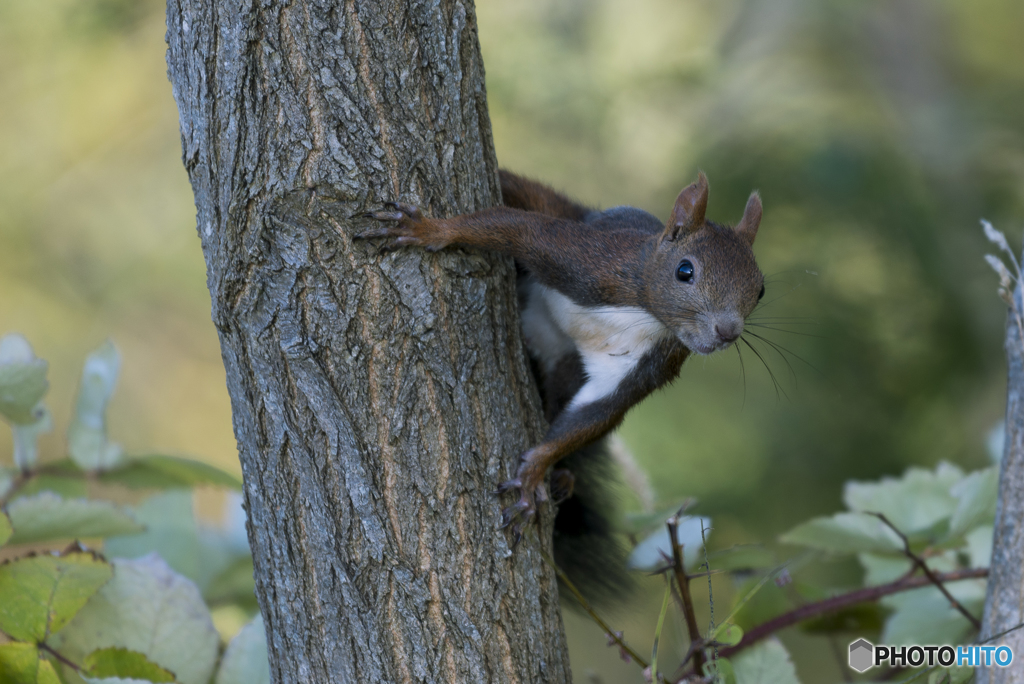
(862, 655)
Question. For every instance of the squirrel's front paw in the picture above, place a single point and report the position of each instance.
(518, 515)
(529, 482)
(412, 228)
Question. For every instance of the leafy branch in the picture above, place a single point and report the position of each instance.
(919, 563)
(903, 548)
(62, 611)
(843, 601)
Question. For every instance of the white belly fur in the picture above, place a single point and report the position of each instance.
(610, 340)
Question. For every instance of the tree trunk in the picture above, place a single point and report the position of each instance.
(377, 399)
(1004, 604)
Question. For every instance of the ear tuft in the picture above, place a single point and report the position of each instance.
(747, 227)
(688, 213)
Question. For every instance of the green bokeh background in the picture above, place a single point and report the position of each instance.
(878, 133)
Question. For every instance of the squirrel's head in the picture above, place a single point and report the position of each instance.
(702, 281)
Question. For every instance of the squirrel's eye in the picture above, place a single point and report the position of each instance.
(685, 271)
(760, 294)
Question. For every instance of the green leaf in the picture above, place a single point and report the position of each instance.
(5, 528)
(976, 501)
(148, 608)
(915, 502)
(245, 661)
(22, 664)
(125, 664)
(765, 663)
(979, 547)
(925, 616)
(40, 594)
(87, 434)
(171, 531)
(883, 569)
(845, 533)
(46, 516)
(164, 472)
(731, 635)
(720, 671)
(879, 569)
(67, 487)
(22, 380)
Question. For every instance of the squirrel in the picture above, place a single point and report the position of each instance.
(612, 303)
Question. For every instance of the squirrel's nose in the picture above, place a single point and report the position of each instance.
(728, 332)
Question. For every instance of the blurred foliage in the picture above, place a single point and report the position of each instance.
(144, 615)
(877, 132)
(878, 135)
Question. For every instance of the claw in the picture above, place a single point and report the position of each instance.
(509, 485)
(387, 215)
(374, 233)
(387, 248)
(410, 210)
(513, 512)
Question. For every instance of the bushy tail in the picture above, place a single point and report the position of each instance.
(586, 545)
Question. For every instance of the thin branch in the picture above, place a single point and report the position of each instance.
(919, 562)
(46, 647)
(613, 636)
(25, 476)
(711, 596)
(835, 603)
(19, 481)
(684, 590)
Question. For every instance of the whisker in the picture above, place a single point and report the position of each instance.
(791, 332)
(775, 381)
(743, 373)
(806, 320)
(775, 347)
(794, 355)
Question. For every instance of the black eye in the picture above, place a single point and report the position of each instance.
(685, 271)
(760, 294)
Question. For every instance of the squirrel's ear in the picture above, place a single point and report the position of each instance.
(747, 227)
(688, 213)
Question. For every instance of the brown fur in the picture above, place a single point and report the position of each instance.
(622, 257)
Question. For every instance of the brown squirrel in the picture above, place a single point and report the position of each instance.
(612, 302)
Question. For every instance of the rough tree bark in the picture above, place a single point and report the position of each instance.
(376, 399)
(1004, 602)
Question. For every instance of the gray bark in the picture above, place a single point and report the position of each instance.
(376, 399)
(1004, 603)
